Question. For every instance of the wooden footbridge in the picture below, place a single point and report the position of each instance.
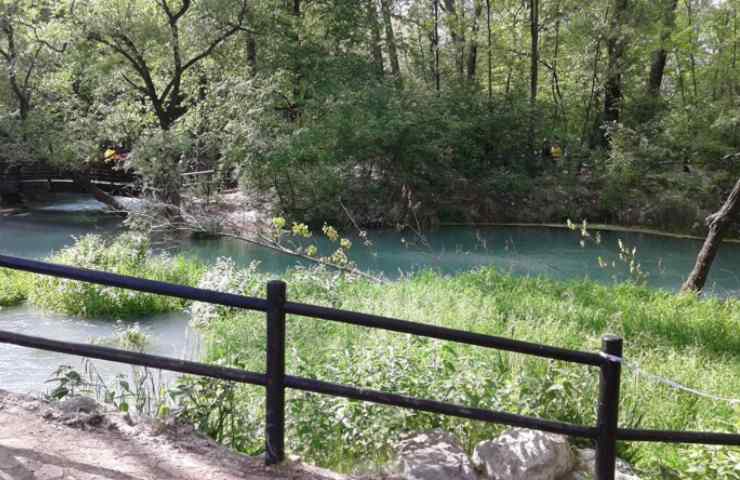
(19, 178)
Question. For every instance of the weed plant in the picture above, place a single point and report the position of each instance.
(143, 391)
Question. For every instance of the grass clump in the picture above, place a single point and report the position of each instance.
(126, 255)
(684, 338)
(14, 287)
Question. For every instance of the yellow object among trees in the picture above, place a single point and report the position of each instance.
(556, 152)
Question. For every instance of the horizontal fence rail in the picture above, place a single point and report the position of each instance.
(605, 433)
(441, 333)
(298, 383)
(312, 311)
(133, 283)
(669, 436)
(133, 358)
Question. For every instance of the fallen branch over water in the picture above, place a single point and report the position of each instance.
(200, 220)
(276, 247)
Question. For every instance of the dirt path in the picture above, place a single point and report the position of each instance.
(74, 441)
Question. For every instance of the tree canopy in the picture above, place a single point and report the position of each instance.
(441, 109)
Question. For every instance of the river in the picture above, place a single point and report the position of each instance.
(554, 253)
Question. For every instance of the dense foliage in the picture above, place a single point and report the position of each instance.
(399, 110)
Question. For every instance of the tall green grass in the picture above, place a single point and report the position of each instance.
(126, 255)
(693, 341)
(14, 287)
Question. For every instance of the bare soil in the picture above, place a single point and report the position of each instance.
(76, 440)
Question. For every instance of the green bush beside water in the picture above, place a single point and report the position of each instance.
(14, 287)
(126, 255)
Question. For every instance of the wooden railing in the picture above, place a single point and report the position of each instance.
(605, 433)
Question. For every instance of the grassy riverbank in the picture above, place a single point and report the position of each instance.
(127, 255)
(690, 340)
(681, 337)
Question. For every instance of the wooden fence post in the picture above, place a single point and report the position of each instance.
(608, 413)
(275, 391)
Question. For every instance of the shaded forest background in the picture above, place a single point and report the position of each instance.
(428, 111)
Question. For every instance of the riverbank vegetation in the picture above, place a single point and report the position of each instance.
(396, 111)
(680, 337)
(126, 255)
(14, 287)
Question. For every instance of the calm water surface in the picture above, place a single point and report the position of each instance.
(554, 253)
(551, 252)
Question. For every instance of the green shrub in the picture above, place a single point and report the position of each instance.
(14, 287)
(127, 255)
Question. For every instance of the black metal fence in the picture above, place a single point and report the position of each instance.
(605, 433)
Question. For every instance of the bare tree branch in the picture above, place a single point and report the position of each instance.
(134, 85)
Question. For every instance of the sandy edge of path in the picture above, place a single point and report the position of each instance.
(76, 440)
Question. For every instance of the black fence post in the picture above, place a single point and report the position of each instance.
(275, 401)
(606, 442)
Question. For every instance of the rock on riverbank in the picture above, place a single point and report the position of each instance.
(518, 454)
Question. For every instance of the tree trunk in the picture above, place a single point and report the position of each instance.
(375, 48)
(490, 51)
(557, 94)
(457, 34)
(534, 28)
(251, 45)
(390, 39)
(86, 185)
(588, 133)
(718, 224)
(251, 54)
(692, 49)
(615, 46)
(681, 81)
(20, 88)
(657, 67)
(435, 44)
(734, 77)
(473, 49)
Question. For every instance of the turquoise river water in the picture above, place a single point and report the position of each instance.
(551, 252)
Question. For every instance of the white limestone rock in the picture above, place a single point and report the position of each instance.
(522, 454)
(433, 456)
